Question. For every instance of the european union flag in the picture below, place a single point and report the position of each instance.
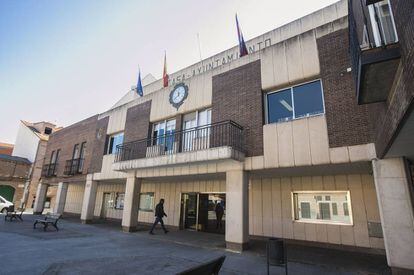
(140, 90)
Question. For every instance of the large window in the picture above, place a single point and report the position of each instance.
(163, 133)
(295, 102)
(146, 202)
(322, 207)
(113, 141)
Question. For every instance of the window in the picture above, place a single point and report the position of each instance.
(295, 102)
(305, 210)
(112, 142)
(334, 209)
(54, 157)
(322, 207)
(163, 133)
(75, 153)
(382, 23)
(119, 201)
(48, 130)
(345, 206)
(146, 202)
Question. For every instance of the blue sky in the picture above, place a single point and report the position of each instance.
(63, 61)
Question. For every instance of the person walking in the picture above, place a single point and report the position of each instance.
(159, 214)
(219, 215)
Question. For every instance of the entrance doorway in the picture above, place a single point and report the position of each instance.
(203, 212)
(7, 192)
(106, 204)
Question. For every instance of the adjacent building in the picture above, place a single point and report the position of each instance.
(14, 172)
(6, 148)
(282, 139)
(31, 141)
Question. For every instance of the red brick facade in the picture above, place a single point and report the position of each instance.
(137, 122)
(237, 95)
(348, 123)
(65, 140)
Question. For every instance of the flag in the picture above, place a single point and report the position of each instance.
(140, 90)
(164, 74)
(242, 44)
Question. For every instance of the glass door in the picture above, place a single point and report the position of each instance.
(189, 122)
(189, 211)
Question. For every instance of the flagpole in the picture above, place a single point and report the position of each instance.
(199, 46)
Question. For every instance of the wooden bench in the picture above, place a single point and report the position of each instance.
(49, 219)
(12, 214)
(210, 268)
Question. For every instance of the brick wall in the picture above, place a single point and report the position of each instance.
(99, 145)
(237, 96)
(65, 140)
(389, 115)
(137, 122)
(348, 123)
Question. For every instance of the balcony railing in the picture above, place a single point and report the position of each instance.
(374, 48)
(226, 133)
(49, 170)
(74, 166)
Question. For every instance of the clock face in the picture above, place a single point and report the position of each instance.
(178, 95)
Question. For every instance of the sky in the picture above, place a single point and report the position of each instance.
(64, 61)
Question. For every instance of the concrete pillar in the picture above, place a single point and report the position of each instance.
(131, 203)
(237, 210)
(40, 198)
(61, 197)
(396, 211)
(89, 198)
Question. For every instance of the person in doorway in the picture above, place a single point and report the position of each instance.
(159, 214)
(219, 215)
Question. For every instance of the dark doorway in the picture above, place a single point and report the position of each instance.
(203, 212)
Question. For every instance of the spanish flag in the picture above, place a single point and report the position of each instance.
(164, 74)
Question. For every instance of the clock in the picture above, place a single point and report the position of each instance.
(178, 95)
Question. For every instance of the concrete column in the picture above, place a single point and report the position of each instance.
(396, 211)
(40, 198)
(237, 210)
(89, 198)
(61, 197)
(131, 203)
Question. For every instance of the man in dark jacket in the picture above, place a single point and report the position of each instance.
(159, 214)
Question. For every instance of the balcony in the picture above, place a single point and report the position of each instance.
(73, 167)
(49, 170)
(223, 140)
(374, 48)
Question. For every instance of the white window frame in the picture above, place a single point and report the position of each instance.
(348, 193)
(293, 101)
(375, 30)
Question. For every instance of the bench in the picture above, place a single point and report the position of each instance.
(210, 268)
(11, 214)
(49, 219)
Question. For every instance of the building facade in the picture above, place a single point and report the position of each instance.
(277, 138)
(31, 141)
(14, 172)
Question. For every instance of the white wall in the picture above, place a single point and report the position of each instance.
(26, 143)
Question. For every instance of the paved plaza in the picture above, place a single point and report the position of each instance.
(105, 249)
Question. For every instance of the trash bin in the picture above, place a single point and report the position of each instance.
(276, 251)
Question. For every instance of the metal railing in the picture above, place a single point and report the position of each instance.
(226, 133)
(49, 170)
(74, 166)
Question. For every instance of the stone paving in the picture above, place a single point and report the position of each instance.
(104, 249)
